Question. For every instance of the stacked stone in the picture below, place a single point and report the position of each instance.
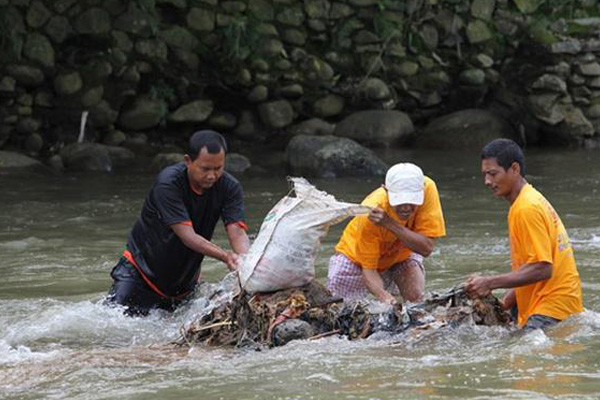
(256, 69)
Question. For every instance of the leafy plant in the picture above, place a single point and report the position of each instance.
(241, 37)
(12, 37)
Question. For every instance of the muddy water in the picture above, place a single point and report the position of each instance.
(60, 236)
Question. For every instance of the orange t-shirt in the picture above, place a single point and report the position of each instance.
(538, 235)
(375, 247)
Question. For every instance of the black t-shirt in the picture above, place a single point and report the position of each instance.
(158, 251)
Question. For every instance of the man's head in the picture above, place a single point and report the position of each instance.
(502, 166)
(405, 185)
(205, 159)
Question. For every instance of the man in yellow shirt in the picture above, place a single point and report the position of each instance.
(544, 281)
(383, 252)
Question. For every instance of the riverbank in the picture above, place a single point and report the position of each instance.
(380, 73)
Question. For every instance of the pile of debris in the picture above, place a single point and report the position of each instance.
(310, 312)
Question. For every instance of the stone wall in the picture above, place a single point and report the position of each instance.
(253, 69)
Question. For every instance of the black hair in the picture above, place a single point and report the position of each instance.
(506, 152)
(213, 141)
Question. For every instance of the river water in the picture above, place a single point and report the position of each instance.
(61, 235)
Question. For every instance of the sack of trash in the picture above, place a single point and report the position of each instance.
(283, 254)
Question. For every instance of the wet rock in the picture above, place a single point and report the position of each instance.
(566, 47)
(153, 49)
(163, 160)
(92, 97)
(589, 69)
(38, 49)
(575, 123)
(55, 162)
(222, 120)
(527, 6)
(179, 37)
(58, 29)
(292, 16)
(236, 163)
(86, 157)
(294, 37)
(375, 89)
(466, 129)
(472, 77)
(37, 15)
(291, 329)
(201, 20)
(120, 157)
(136, 21)
(34, 143)
(114, 138)
(263, 8)
(196, 111)
(144, 113)
(276, 114)
(44, 99)
(329, 106)
(271, 47)
(330, 157)
(408, 68)
(258, 94)
(483, 60)
(96, 72)
(292, 91)
(312, 127)
(478, 32)
(430, 36)
(545, 107)
(16, 160)
(68, 84)
(60, 6)
(248, 127)
(122, 41)
(102, 115)
(483, 9)
(94, 22)
(7, 84)
(379, 128)
(28, 125)
(550, 83)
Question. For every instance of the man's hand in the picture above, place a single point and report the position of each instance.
(379, 217)
(232, 260)
(387, 298)
(478, 286)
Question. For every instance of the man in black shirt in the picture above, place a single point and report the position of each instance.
(161, 265)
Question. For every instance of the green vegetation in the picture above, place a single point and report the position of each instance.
(241, 37)
(12, 36)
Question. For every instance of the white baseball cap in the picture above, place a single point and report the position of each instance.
(405, 184)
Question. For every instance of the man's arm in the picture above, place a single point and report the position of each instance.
(238, 239)
(199, 244)
(417, 242)
(478, 286)
(374, 283)
(509, 300)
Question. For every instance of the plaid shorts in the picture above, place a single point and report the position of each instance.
(345, 279)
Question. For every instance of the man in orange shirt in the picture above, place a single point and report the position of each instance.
(383, 252)
(544, 283)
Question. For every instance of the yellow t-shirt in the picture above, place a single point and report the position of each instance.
(538, 235)
(375, 247)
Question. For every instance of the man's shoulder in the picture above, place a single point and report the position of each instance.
(171, 173)
(377, 197)
(228, 182)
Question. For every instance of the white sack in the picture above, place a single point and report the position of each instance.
(283, 254)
